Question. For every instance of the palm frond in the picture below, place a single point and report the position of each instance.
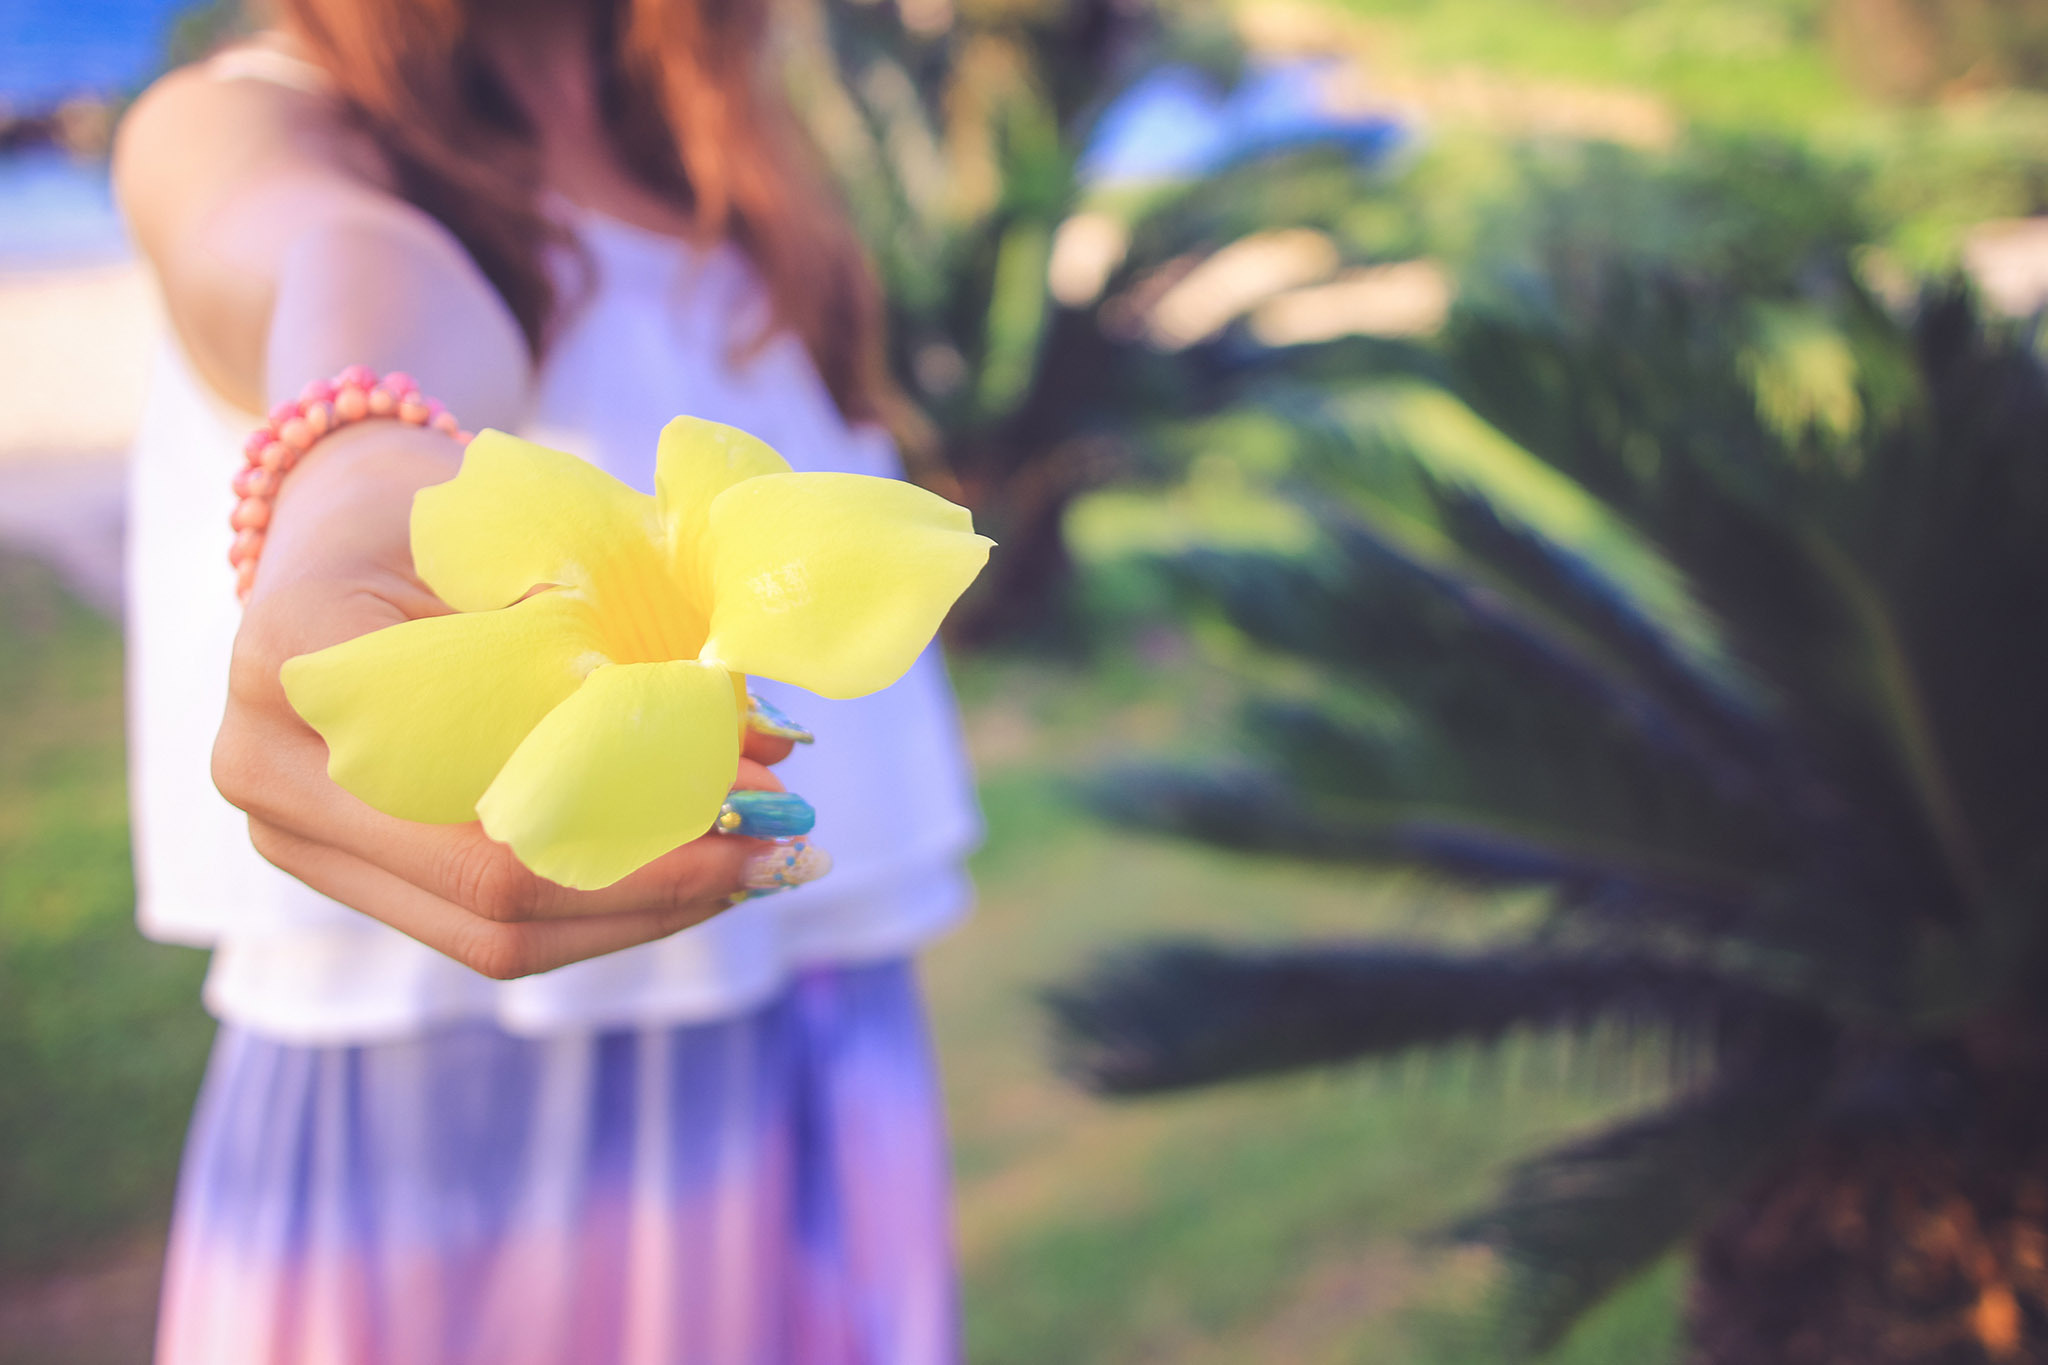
(1458, 452)
(1182, 1014)
(1715, 612)
(1946, 528)
(1385, 598)
(1577, 1222)
(1255, 812)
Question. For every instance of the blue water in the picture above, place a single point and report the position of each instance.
(54, 210)
(50, 49)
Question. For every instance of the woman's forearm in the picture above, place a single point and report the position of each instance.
(387, 288)
(284, 254)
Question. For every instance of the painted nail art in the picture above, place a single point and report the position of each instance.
(765, 815)
(764, 719)
(784, 866)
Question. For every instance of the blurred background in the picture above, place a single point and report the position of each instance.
(1509, 711)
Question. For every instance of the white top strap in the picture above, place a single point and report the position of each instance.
(268, 64)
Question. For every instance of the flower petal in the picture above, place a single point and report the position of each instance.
(695, 462)
(419, 717)
(519, 515)
(834, 582)
(634, 764)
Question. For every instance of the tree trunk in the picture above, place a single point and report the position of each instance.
(1928, 1248)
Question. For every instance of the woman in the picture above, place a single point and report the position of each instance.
(456, 1113)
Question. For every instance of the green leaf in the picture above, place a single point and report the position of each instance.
(1459, 450)
(1016, 317)
(1578, 1222)
(1180, 1014)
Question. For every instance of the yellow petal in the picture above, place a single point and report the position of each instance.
(695, 462)
(419, 717)
(519, 515)
(834, 582)
(634, 764)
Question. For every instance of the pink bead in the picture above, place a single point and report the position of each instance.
(251, 514)
(255, 482)
(321, 407)
(245, 578)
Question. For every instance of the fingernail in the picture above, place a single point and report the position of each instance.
(784, 866)
(765, 815)
(764, 719)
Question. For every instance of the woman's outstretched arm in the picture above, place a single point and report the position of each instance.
(283, 257)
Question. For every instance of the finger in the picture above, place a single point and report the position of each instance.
(276, 771)
(771, 734)
(463, 865)
(755, 778)
(494, 948)
(766, 748)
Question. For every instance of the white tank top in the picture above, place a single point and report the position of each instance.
(887, 774)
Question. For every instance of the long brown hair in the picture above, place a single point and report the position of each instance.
(691, 114)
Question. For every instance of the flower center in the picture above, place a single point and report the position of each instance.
(645, 618)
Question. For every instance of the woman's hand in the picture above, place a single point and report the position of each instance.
(284, 254)
(337, 564)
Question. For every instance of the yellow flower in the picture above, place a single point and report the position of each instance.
(586, 699)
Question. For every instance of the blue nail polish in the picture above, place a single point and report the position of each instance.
(766, 815)
(764, 719)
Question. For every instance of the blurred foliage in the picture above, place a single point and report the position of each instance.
(1921, 48)
(1761, 64)
(961, 134)
(204, 28)
(1938, 103)
(958, 134)
(1689, 580)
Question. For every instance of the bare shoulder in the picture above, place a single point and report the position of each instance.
(193, 141)
(231, 184)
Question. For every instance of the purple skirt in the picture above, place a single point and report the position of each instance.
(764, 1190)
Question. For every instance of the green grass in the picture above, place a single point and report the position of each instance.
(1283, 1221)
(101, 1035)
(1748, 63)
(1725, 67)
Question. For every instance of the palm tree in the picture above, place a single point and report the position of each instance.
(1720, 614)
(962, 139)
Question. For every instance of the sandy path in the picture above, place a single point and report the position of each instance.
(75, 350)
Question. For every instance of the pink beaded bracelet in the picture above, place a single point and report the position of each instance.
(322, 407)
